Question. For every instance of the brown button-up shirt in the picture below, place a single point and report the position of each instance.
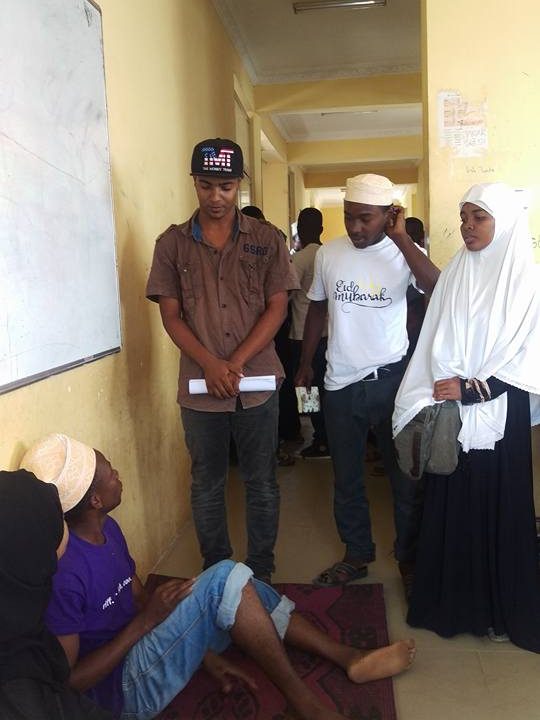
(222, 295)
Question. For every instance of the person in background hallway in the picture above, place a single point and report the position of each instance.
(361, 281)
(256, 212)
(477, 561)
(222, 282)
(134, 652)
(34, 670)
(309, 233)
(288, 420)
(253, 211)
(415, 230)
(416, 301)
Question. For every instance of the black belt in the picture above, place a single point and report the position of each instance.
(386, 371)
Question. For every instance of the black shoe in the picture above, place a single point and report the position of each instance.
(315, 450)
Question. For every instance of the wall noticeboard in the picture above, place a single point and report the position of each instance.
(59, 304)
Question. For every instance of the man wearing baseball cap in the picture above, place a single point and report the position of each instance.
(221, 280)
(361, 280)
(134, 651)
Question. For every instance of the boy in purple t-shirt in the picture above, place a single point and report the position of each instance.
(133, 653)
(93, 598)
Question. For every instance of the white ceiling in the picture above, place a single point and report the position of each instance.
(278, 46)
(367, 122)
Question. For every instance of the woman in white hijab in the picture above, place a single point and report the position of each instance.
(477, 564)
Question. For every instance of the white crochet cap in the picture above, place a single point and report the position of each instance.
(67, 463)
(370, 189)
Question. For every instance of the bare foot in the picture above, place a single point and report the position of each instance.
(382, 663)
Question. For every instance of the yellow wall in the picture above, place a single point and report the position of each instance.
(322, 152)
(342, 93)
(333, 225)
(301, 195)
(167, 88)
(420, 200)
(325, 178)
(256, 162)
(274, 136)
(423, 168)
(276, 194)
(488, 57)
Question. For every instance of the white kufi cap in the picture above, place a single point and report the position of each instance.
(370, 190)
(67, 463)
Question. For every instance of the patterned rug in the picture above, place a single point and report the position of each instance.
(354, 615)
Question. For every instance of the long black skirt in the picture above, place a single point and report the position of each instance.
(477, 562)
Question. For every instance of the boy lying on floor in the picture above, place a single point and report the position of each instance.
(134, 653)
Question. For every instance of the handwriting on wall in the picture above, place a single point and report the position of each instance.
(479, 169)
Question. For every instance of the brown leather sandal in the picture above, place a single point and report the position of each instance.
(340, 573)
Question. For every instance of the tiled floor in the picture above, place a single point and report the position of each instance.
(461, 679)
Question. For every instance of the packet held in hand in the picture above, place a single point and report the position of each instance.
(308, 400)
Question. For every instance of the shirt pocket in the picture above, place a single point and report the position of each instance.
(252, 285)
(191, 285)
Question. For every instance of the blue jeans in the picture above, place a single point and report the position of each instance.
(161, 664)
(208, 437)
(349, 413)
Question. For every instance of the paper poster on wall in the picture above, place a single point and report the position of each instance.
(462, 125)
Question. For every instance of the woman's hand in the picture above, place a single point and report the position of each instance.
(225, 672)
(449, 389)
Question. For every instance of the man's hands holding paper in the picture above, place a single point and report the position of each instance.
(222, 377)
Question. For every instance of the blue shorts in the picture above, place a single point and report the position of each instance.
(162, 662)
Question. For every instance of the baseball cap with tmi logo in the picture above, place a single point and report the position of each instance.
(217, 158)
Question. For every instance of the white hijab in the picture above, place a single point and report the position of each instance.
(483, 320)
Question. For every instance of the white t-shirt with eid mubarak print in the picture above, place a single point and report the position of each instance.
(366, 291)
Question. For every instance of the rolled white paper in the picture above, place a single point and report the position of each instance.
(247, 384)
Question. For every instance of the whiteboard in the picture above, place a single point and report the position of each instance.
(59, 304)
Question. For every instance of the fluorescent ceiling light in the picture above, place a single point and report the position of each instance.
(349, 112)
(329, 4)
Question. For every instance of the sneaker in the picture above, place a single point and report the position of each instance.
(315, 450)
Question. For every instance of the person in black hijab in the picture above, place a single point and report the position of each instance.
(33, 667)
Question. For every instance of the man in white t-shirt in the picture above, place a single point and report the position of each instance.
(310, 228)
(361, 281)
